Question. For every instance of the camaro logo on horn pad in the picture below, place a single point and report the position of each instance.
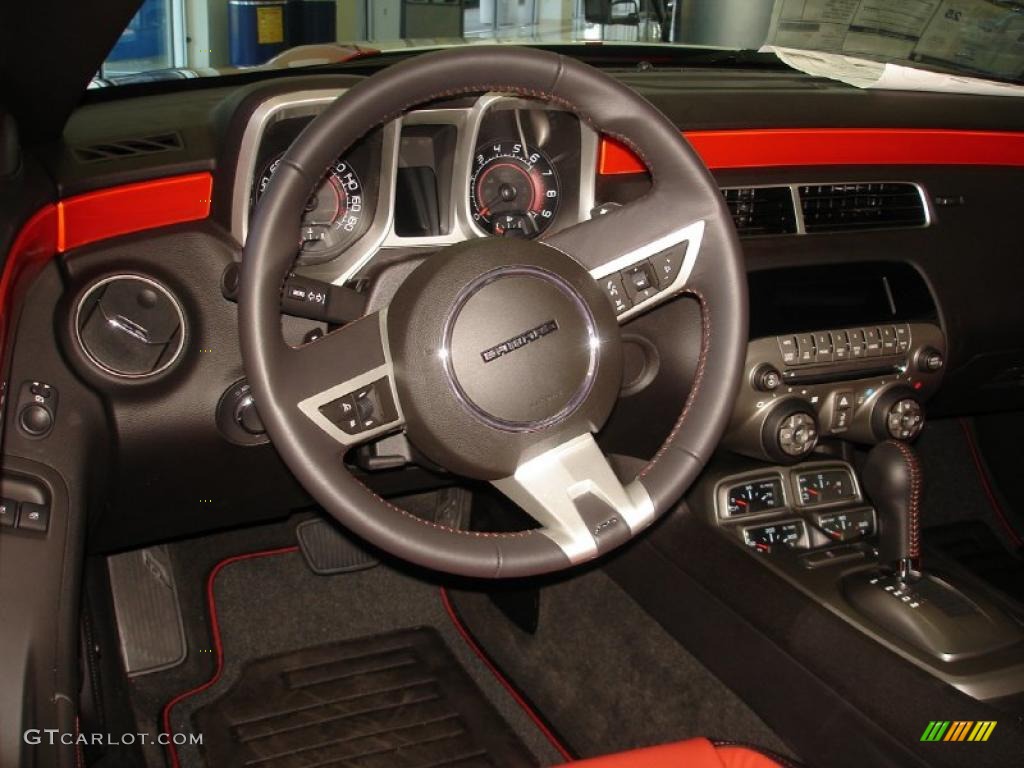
(520, 340)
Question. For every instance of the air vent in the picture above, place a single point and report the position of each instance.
(113, 150)
(130, 326)
(761, 210)
(877, 205)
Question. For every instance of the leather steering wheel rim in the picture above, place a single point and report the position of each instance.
(559, 476)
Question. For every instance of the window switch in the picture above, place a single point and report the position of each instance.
(8, 513)
(34, 517)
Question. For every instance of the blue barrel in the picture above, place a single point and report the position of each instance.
(257, 30)
(312, 21)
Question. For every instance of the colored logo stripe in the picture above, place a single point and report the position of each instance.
(958, 730)
(982, 730)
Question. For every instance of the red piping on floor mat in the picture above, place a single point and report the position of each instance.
(211, 603)
(987, 487)
(509, 688)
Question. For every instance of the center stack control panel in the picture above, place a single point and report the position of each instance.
(865, 384)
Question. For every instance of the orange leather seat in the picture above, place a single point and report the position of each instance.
(693, 753)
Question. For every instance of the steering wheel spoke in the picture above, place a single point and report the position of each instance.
(574, 493)
(637, 271)
(344, 382)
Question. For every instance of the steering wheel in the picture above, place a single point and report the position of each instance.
(500, 358)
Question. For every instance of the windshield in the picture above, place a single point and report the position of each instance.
(180, 39)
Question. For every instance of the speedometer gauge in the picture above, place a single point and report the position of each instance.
(330, 221)
(513, 190)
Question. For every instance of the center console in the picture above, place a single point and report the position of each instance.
(840, 360)
(849, 352)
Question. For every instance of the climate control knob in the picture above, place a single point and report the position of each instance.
(798, 434)
(790, 431)
(905, 419)
(897, 414)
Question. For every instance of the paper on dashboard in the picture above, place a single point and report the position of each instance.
(978, 35)
(863, 73)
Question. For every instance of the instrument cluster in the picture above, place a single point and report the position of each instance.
(501, 167)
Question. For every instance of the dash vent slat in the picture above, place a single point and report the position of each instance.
(761, 210)
(878, 205)
(131, 147)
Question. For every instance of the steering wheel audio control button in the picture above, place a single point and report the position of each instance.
(668, 263)
(640, 284)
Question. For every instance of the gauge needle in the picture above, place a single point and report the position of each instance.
(741, 502)
(813, 492)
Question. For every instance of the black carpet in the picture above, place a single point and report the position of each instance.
(277, 605)
(606, 675)
(387, 701)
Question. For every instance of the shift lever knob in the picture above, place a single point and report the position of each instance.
(892, 479)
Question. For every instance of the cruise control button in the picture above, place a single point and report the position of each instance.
(667, 264)
(616, 292)
(367, 407)
(342, 413)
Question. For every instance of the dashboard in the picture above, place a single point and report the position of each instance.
(496, 166)
(859, 273)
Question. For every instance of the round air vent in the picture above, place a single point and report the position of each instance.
(130, 326)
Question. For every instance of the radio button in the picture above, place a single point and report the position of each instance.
(872, 342)
(787, 346)
(805, 348)
(902, 338)
(857, 344)
(841, 344)
(823, 347)
(888, 340)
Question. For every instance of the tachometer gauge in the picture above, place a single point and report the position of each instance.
(513, 191)
(330, 221)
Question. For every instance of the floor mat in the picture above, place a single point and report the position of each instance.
(385, 701)
(267, 605)
(606, 675)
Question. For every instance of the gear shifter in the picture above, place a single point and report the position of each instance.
(892, 479)
(928, 610)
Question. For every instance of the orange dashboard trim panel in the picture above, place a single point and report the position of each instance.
(773, 148)
(107, 213)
